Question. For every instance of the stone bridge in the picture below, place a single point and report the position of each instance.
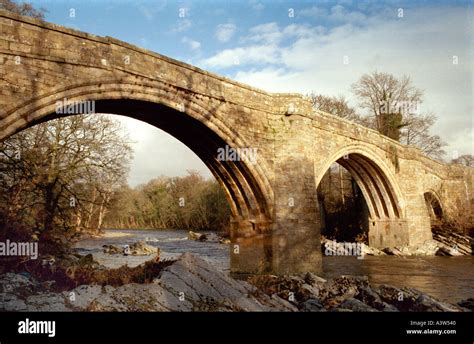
(275, 224)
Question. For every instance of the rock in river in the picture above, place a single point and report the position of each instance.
(140, 248)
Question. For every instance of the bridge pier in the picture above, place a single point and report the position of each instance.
(291, 243)
(297, 228)
(388, 233)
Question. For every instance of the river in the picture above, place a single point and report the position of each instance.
(449, 279)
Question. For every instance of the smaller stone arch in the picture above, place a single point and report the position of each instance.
(377, 183)
(387, 224)
(434, 207)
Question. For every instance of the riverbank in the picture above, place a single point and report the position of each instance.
(429, 274)
(192, 284)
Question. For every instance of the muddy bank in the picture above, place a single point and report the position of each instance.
(192, 284)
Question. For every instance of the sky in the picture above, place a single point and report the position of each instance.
(293, 46)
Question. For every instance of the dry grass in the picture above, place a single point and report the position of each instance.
(68, 275)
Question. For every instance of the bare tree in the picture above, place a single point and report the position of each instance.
(23, 8)
(387, 99)
(417, 132)
(465, 160)
(50, 171)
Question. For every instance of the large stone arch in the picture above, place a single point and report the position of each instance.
(188, 117)
(381, 192)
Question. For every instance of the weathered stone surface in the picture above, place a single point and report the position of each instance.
(350, 294)
(10, 303)
(371, 298)
(192, 284)
(356, 306)
(202, 285)
(341, 288)
(312, 305)
(275, 213)
(426, 303)
(11, 282)
(49, 302)
(408, 299)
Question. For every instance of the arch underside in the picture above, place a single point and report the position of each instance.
(434, 206)
(244, 185)
(378, 193)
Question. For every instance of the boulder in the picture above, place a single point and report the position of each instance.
(197, 236)
(311, 305)
(207, 288)
(336, 290)
(371, 298)
(412, 300)
(393, 251)
(448, 251)
(111, 249)
(313, 279)
(426, 303)
(356, 306)
(139, 248)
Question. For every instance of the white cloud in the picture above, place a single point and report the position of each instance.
(224, 32)
(267, 33)
(149, 12)
(192, 44)
(264, 46)
(156, 153)
(182, 25)
(337, 13)
(256, 6)
(255, 54)
(314, 12)
(264, 78)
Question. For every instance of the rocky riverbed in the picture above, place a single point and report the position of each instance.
(452, 245)
(192, 284)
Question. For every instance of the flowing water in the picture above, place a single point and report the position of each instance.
(449, 279)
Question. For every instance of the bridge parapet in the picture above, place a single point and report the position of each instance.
(28, 37)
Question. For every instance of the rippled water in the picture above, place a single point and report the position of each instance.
(172, 243)
(446, 278)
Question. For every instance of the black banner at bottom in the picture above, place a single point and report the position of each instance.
(299, 327)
